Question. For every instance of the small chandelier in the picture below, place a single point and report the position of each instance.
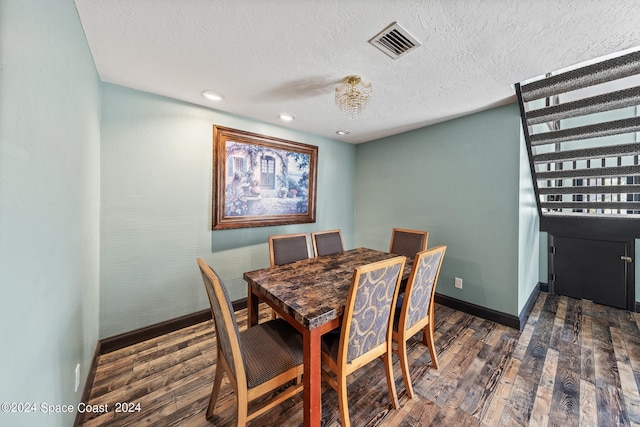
(352, 96)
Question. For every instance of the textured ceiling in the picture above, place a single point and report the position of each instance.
(268, 57)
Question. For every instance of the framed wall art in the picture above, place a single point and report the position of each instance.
(259, 180)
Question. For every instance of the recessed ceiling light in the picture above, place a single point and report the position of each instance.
(286, 117)
(342, 132)
(213, 96)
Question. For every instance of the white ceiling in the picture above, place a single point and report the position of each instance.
(268, 57)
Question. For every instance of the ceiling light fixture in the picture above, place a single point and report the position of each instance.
(213, 96)
(286, 117)
(343, 132)
(352, 96)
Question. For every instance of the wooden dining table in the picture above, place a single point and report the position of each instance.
(311, 294)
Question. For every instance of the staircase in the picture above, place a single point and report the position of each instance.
(581, 128)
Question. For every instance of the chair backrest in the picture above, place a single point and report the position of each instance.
(421, 286)
(227, 332)
(408, 242)
(327, 242)
(288, 248)
(370, 308)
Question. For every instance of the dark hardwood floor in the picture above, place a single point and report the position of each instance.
(574, 363)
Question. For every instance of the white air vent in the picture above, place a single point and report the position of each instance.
(395, 41)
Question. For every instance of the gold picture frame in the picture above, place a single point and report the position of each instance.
(261, 181)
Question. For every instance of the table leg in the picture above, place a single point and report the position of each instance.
(312, 379)
(252, 308)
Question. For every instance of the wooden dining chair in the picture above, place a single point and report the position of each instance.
(365, 334)
(327, 242)
(288, 248)
(417, 309)
(257, 360)
(408, 242)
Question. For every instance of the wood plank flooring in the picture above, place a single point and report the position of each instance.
(575, 363)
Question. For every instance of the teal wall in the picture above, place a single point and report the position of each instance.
(528, 231)
(49, 207)
(100, 184)
(156, 207)
(459, 181)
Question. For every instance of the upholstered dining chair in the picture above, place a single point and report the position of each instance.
(257, 360)
(327, 242)
(408, 242)
(366, 329)
(417, 309)
(288, 248)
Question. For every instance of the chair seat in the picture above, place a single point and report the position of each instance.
(270, 348)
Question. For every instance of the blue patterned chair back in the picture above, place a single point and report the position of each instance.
(419, 292)
(408, 242)
(220, 308)
(288, 249)
(375, 295)
(328, 243)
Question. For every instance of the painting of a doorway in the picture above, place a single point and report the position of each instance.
(260, 180)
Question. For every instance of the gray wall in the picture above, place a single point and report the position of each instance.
(156, 207)
(49, 207)
(459, 180)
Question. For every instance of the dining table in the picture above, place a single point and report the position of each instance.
(311, 295)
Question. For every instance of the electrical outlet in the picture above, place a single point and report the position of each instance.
(77, 377)
(458, 283)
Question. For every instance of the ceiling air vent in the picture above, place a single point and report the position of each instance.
(395, 41)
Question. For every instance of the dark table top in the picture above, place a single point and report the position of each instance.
(314, 291)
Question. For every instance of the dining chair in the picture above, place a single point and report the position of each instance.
(288, 248)
(416, 312)
(408, 242)
(327, 242)
(257, 360)
(365, 334)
